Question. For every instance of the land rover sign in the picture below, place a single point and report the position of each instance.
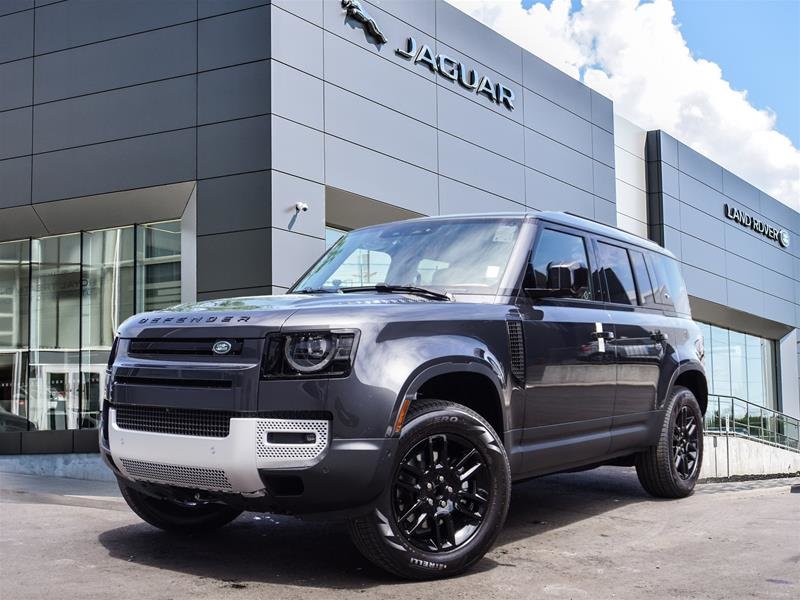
(746, 220)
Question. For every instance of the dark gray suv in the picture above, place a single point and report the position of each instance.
(409, 377)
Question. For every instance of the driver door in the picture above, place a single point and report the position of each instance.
(571, 373)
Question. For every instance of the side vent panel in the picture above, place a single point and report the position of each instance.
(516, 350)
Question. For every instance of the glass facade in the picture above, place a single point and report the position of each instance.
(61, 301)
(741, 365)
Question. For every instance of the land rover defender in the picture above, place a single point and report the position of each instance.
(411, 375)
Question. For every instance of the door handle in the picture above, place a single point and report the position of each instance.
(605, 335)
(659, 336)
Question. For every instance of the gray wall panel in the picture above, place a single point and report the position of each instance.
(233, 147)
(702, 226)
(11, 6)
(121, 165)
(303, 249)
(706, 285)
(234, 260)
(297, 95)
(702, 255)
(744, 298)
(296, 42)
(15, 182)
(16, 84)
(16, 36)
(130, 60)
(546, 193)
(297, 150)
(361, 171)
(481, 168)
(547, 81)
(310, 10)
(670, 181)
(287, 191)
(559, 124)
(363, 122)
(77, 22)
(421, 15)
(602, 111)
(558, 161)
(738, 189)
(478, 41)
(604, 211)
(468, 120)
(604, 181)
(15, 133)
(127, 112)
(233, 92)
(602, 146)
(458, 198)
(233, 38)
(699, 167)
(234, 203)
(700, 195)
(209, 8)
(738, 241)
(744, 271)
(369, 75)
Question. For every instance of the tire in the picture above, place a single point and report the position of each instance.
(447, 497)
(174, 516)
(670, 468)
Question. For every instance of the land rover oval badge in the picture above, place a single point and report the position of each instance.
(221, 347)
(783, 238)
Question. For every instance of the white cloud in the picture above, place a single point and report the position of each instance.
(635, 54)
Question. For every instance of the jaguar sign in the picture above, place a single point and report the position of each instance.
(442, 64)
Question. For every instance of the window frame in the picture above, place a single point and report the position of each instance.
(585, 237)
(606, 295)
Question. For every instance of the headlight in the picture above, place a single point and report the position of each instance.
(309, 353)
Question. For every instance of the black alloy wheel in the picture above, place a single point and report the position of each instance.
(671, 467)
(441, 491)
(685, 443)
(446, 496)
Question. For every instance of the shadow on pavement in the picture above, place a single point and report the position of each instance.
(276, 549)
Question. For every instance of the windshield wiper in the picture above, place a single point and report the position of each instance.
(401, 289)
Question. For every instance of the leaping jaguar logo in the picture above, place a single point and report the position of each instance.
(357, 13)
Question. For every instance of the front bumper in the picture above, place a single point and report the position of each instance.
(327, 475)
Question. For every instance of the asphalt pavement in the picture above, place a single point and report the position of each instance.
(593, 535)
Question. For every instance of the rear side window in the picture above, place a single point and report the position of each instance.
(616, 266)
(560, 261)
(643, 281)
(671, 287)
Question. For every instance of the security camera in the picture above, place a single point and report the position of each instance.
(301, 207)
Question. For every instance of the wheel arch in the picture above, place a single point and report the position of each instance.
(470, 383)
(692, 376)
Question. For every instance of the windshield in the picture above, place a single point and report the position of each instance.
(460, 256)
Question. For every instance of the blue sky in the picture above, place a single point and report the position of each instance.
(755, 42)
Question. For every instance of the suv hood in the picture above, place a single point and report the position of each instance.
(250, 316)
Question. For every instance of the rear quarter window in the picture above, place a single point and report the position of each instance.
(671, 288)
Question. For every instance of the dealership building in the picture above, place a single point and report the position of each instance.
(156, 152)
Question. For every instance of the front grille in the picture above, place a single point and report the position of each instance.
(183, 346)
(180, 421)
(191, 477)
(173, 382)
(516, 349)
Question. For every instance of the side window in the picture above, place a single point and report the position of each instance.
(616, 266)
(643, 282)
(670, 282)
(560, 261)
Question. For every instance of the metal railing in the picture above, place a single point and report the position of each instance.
(728, 415)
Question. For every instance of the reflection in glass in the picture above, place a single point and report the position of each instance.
(53, 376)
(14, 273)
(62, 299)
(740, 365)
(158, 256)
